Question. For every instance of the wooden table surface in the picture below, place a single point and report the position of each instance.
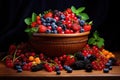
(8, 73)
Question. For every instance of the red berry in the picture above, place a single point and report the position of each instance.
(76, 27)
(69, 10)
(59, 29)
(49, 14)
(87, 27)
(42, 28)
(38, 17)
(33, 24)
(67, 31)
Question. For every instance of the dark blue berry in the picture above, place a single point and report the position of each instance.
(19, 70)
(110, 68)
(18, 67)
(48, 19)
(57, 68)
(58, 72)
(107, 65)
(82, 22)
(48, 31)
(69, 70)
(106, 70)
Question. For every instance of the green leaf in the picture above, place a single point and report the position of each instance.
(80, 10)
(91, 22)
(100, 44)
(28, 30)
(91, 40)
(34, 15)
(27, 21)
(73, 9)
(34, 29)
(84, 16)
(95, 35)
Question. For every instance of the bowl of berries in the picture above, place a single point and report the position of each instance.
(58, 32)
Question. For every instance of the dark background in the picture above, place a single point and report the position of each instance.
(104, 14)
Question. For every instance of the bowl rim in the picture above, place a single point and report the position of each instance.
(61, 35)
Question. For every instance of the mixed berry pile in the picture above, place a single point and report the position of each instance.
(22, 58)
(58, 22)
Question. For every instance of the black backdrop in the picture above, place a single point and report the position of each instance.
(13, 12)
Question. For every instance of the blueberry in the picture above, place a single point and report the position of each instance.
(82, 22)
(48, 19)
(69, 70)
(105, 70)
(53, 20)
(43, 20)
(45, 24)
(62, 16)
(57, 68)
(82, 30)
(54, 31)
(110, 68)
(48, 31)
(58, 72)
(19, 70)
(107, 65)
(18, 67)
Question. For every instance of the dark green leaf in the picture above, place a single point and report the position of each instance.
(95, 43)
(84, 16)
(27, 21)
(80, 10)
(34, 15)
(100, 44)
(73, 9)
(91, 40)
(95, 35)
(28, 30)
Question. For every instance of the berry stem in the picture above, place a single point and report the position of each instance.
(15, 54)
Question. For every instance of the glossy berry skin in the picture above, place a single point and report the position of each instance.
(106, 70)
(58, 72)
(87, 27)
(49, 14)
(42, 28)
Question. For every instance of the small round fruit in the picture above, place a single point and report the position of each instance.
(42, 28)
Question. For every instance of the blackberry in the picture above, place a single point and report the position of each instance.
(86, 61)
(79, 56)
(113, 60)
(91, 57)
(78, 65)
(37, 67)
(88, 68)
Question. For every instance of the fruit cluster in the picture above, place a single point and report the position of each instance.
(90, 58)
(58, 22)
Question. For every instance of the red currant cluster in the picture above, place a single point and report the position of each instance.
(89, 58)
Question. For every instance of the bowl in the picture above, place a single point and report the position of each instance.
(55, 45)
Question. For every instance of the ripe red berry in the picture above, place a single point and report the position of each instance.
(42, 28)
(49, 14)
(87, 27)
